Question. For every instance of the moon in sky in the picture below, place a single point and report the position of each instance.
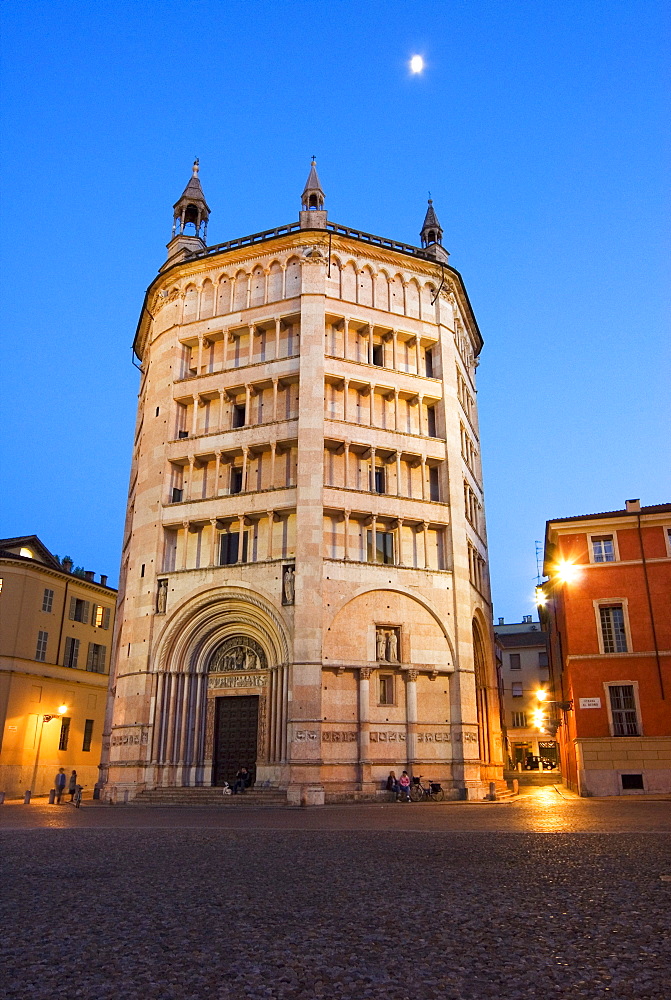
(416, 64)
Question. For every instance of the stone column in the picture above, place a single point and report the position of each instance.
(398, 474)
(227, 340)
(346, 464)
(345, 333)
(425, 529)
(185, 531)
(245, 452)
(194, 417)
(370, 343)
(411, 716)
(270, 516)
(250, 358)
(420, 413)
(396, 420)
(365, 783)
(422, 470)
(213, 540)
(345, 391)
(346, 540)
(278, 329)
(371, 390)
(372, 470)
(200, 348)
(248, 404)
(189, 492)
(275, 382)
(418, 347)
(394, 351)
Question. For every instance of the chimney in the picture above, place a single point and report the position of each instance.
(633, 506)
(526, 619)
(67, 564)
(501, 621)
(103, 580)
(89, 575)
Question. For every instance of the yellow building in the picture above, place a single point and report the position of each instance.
(55, 642)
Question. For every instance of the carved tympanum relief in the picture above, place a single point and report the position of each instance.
(237, 653)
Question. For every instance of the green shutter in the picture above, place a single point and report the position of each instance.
(73, 608)
(89, 658)
(86, 607)
(106, 617)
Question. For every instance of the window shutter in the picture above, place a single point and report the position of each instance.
(86, 607)
(101, 659)
(106, 617)
(73, 608)
(89, 658)
(75, 652)
(94, 613)
(68, 647)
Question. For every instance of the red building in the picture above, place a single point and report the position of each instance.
(607, 607)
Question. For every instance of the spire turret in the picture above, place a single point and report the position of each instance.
(189, 221)
(431, 235)
(191, 209)
(313, 214)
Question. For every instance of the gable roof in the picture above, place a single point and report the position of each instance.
(32, 542)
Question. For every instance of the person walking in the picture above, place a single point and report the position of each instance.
(59, 784)
(72, 785)
(404, 787)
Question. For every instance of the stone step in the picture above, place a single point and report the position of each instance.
(171, 796)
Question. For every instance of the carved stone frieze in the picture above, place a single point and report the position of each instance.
(237, 653)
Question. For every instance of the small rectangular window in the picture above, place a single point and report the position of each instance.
(384, 547)
(71, 652)
(630, 781)
(95, 661)
(230, 545)
(386, 690)
(79, 610)
(519, 720)
(176, 495)
(239, 416)
(429, 362)
(434, 483)
(515, 661)
(543, 660)
(378, 355)
(183, 434)
(65, 734)
(623, 710)
(236, 480)
(517, 689)
(101, 616)
(612, 628)
(603, 549)
(431, 422)
(48, 600)
(41, 651)
(88, 735)
(379, 480)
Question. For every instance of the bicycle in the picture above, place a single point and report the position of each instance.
(77, 797)
(432, 791)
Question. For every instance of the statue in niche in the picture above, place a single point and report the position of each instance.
(162, 597)
(392, 646)
(288, 585)
(237, 654)
(386, 644)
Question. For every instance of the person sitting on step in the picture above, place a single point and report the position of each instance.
(243, 780)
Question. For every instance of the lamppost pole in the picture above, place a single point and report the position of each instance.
(62, 709)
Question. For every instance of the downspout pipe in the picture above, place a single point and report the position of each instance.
(652, 616)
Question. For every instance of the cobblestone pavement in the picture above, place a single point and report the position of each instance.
(462, 902)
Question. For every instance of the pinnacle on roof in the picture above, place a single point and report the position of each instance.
(191, 208)
(313, 196)
(431, 230)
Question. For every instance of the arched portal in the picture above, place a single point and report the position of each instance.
(221, 686)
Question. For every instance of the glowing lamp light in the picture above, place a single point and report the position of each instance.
(62, 709)
(541, 597)
(416, 64)
(567, 572)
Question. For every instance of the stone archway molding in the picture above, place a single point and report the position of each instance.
(201, 624)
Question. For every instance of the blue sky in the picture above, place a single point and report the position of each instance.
(540, 129)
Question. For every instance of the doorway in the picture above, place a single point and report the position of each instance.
(236, 724)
